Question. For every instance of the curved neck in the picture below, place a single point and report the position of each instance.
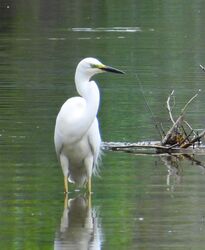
(82, 81)
(89, 91)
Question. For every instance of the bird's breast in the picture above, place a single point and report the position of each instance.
(77, 151)
(70, 118)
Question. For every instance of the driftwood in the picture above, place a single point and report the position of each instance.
(180, 142)
(181, 138)
(145, 148)
(174, 136)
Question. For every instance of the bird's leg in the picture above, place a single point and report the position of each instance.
(89, 185)
(89, 166)
(65, 166)
(66, 201)
(66, 184)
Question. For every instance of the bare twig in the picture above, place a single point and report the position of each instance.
(169, 133)
(169, 108)
(202, 67)
(195, 139)
(162, 129)
(189, 126)
(187, 104)
(148, 107)
(185, 139)
(176, 124)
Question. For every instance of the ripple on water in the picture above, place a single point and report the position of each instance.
(108, 29)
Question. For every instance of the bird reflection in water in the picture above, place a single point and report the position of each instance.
(79, 227)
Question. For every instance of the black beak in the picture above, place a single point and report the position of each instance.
(111, 69)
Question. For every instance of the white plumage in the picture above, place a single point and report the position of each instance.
(77, 137)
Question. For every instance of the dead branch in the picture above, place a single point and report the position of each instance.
(186, 139)
(178, 140)
(202, 67)
(195, 139)
(121, 146)
(169, 108)
(162, 129)
(189, 126)
(145, 148)
(176, 125)
(187, 104)
(170, 132)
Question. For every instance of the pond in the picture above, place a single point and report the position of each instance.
(138, 201)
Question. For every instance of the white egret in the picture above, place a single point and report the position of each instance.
(77, 137)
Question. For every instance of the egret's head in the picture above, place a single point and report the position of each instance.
(91, 66)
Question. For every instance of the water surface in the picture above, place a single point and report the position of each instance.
(138, 202)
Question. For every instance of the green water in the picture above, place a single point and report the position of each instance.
(139, 202)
